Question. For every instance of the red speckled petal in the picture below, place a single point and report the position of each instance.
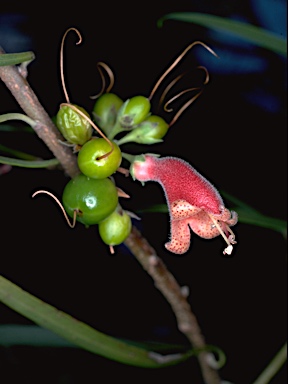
(180, 237)
(203, 226)
(180, 209)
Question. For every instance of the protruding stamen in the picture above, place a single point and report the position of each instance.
(229, 249)
(231, 237)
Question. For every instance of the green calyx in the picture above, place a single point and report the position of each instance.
(150, 131)
(105, 111)
(136, 159)
(115, 228)
(139, 159)
(92, 199)
(74, 127)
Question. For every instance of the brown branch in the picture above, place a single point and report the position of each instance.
(45, 128)
(168, 286)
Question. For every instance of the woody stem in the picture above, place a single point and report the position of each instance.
(168, 286)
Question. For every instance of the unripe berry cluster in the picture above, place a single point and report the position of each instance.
(92, 197)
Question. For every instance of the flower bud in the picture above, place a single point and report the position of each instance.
(150, 131)
(134, 111)
(105, 111)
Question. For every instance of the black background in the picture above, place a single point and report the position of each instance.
(238, 144)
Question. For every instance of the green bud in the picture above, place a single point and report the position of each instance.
(105, 111)
(134, 111)
(74, 127)
(150, 131)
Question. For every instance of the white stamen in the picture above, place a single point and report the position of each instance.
(228, 250)
(230, 240)
(219, 229)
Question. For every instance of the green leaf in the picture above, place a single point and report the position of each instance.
(16, 58)
(18, 154)
(249, 32)
(79, 333)
(33, 335)
(273, 367)
(29, 163)
(249, 215)
(11, 128)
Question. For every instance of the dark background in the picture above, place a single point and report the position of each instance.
(234, 134)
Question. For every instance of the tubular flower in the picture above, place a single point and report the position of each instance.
(193, 202)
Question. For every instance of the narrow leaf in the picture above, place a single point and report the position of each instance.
(16, 58)
(273, 367)
(11, 128)
(77, 332)
(249, 32)
(28, 163)
(33, 335)
(15, 152)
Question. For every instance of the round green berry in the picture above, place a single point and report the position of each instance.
(92, 161)
(115, 228)
(92, 199)
(74, 127)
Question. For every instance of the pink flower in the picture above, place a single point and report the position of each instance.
(192, 200)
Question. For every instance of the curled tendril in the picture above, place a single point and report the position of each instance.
(111, 78)
(179, 58)
(185, 106)
(169, 86)
(93, 125)
(173, 82)
(61, 58)
(206, 81)
(189, 102)
(176, 97)
(60, 205)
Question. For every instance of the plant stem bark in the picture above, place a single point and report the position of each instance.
(168, 286)
(45, 128)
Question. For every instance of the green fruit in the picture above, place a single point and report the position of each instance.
(105, 111)
(134, 111)
(74, 127)
(115, 228)
(92, 165)
(92, 199)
